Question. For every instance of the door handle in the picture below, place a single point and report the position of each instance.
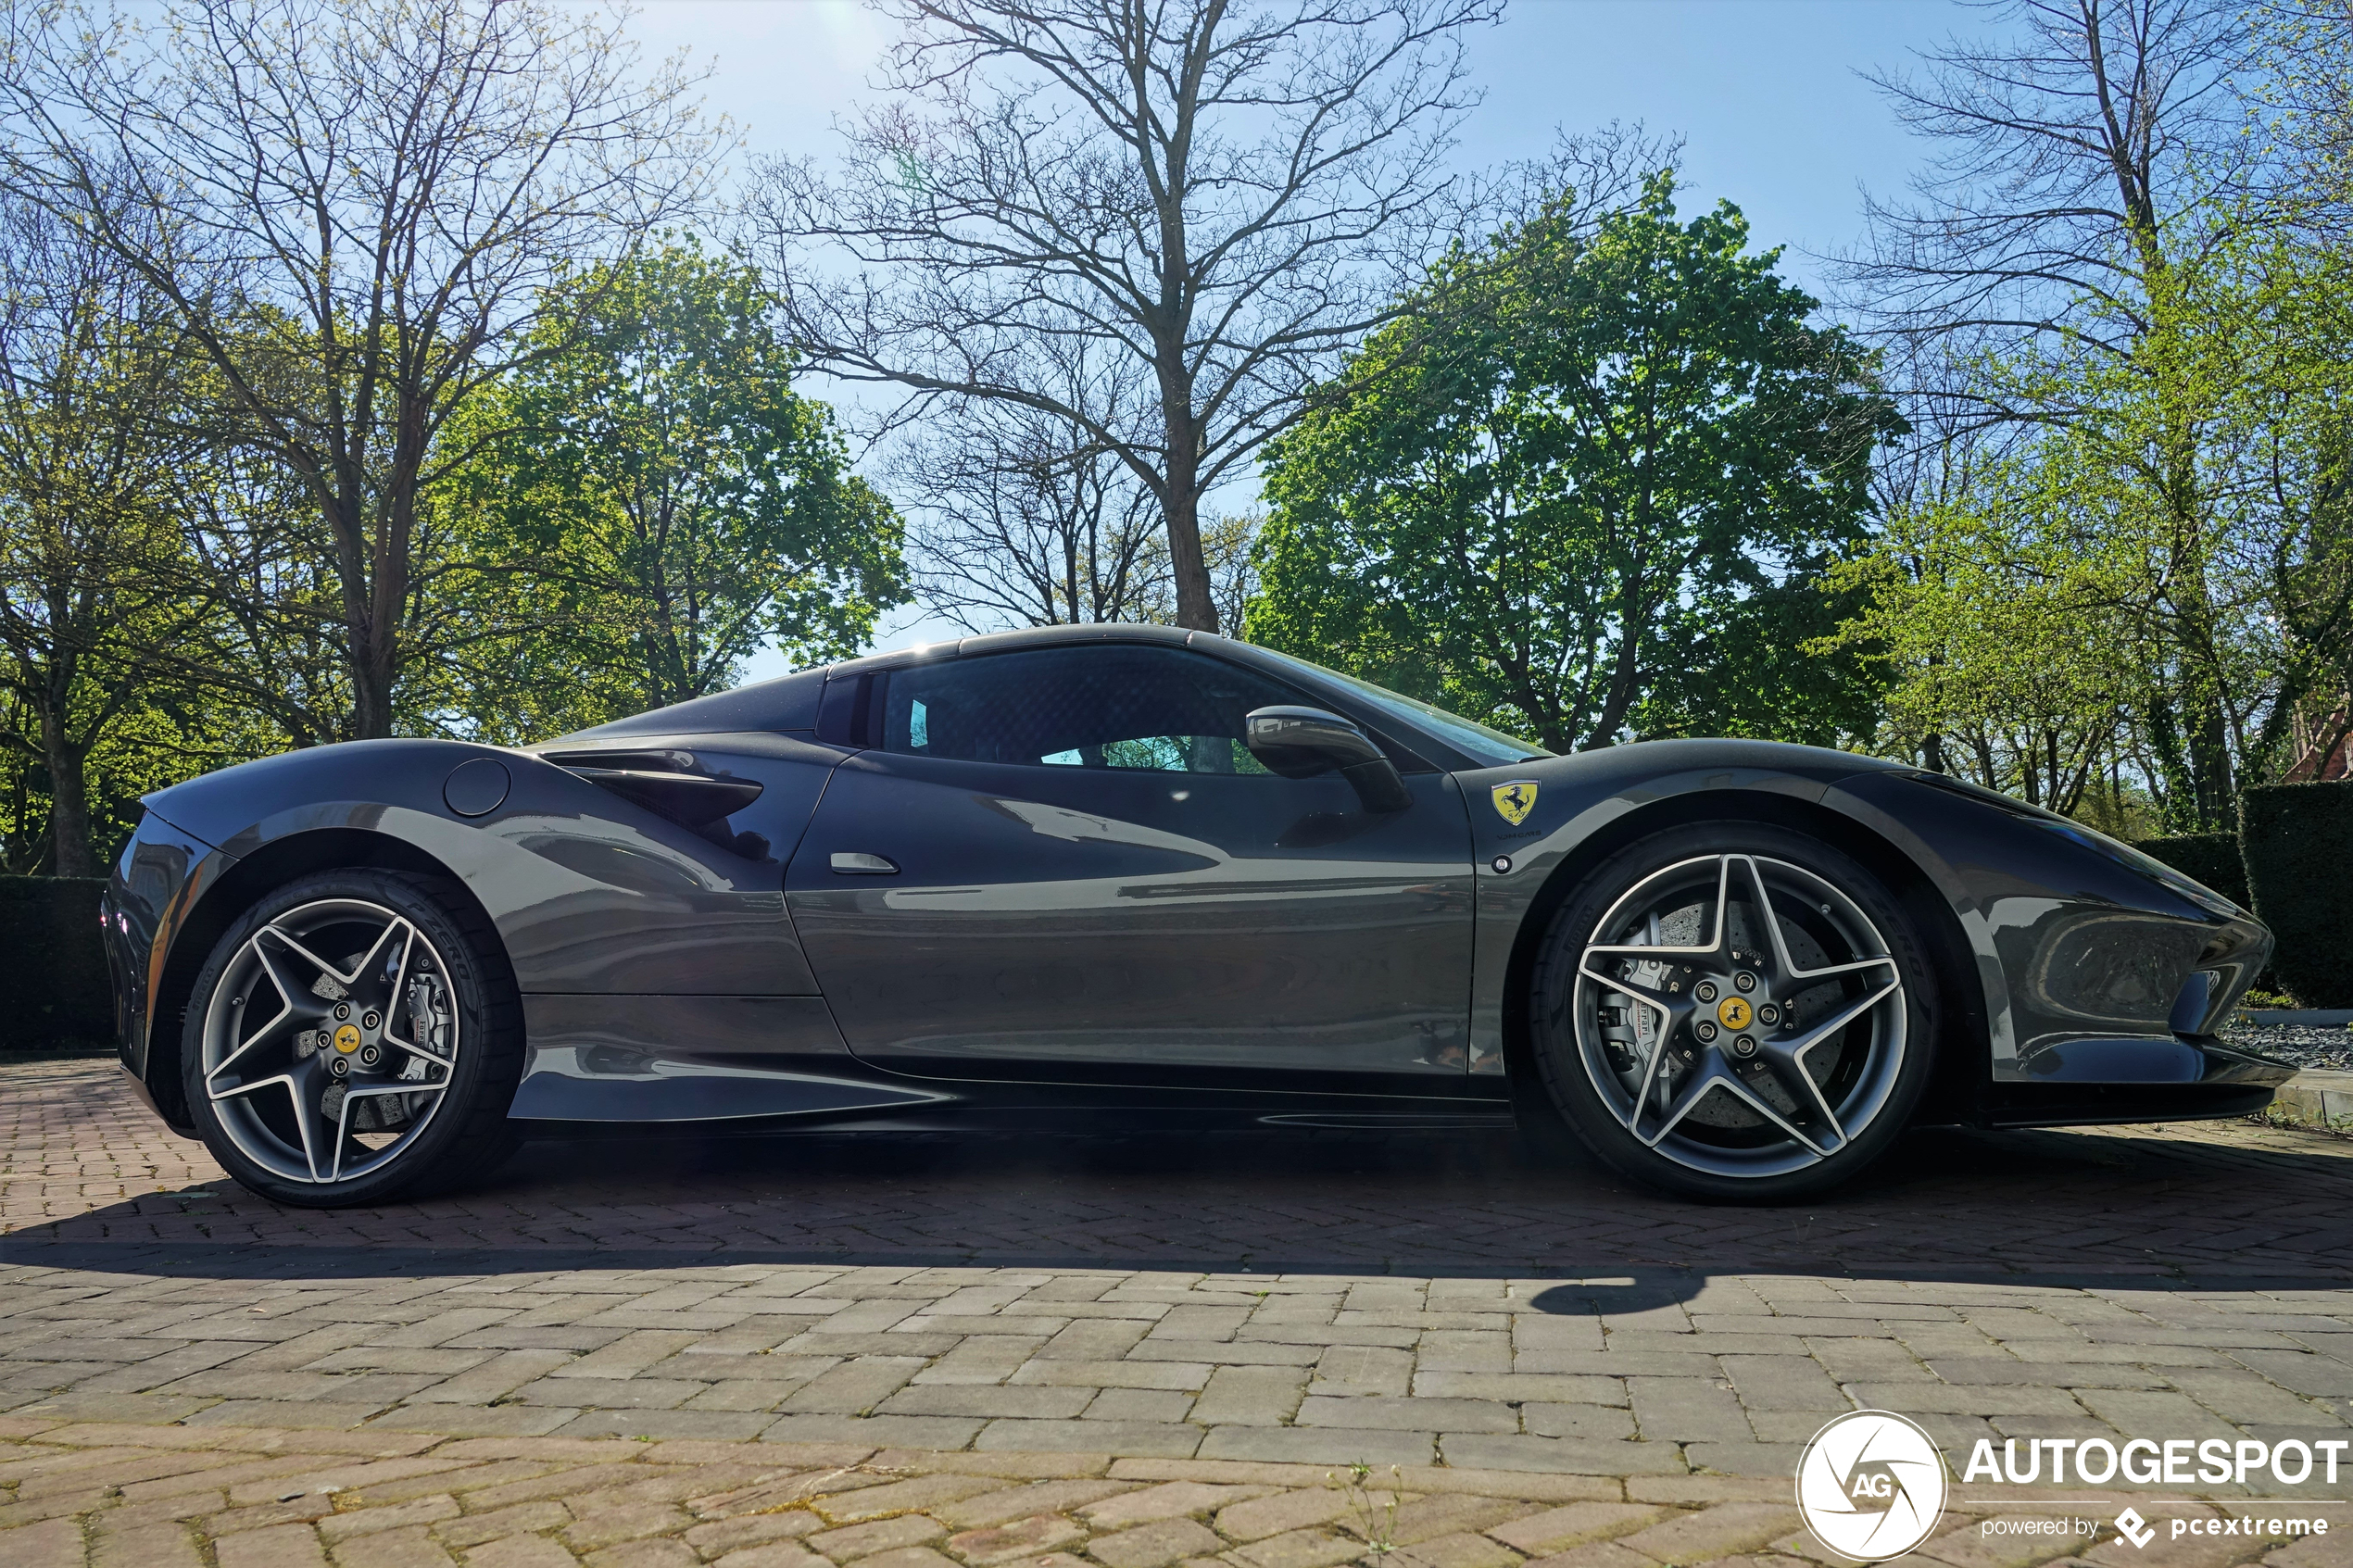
(853, 864)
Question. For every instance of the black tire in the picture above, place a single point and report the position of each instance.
(288, 1105)
(1757, 1093)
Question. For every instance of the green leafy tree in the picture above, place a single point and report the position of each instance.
(2007, 627)
(349, 211)
(1581, 486)
(96, 592)
(659, 502)
(2169, 545)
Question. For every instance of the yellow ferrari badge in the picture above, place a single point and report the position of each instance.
(1734, 1012)
(1514, 800)
(346, 1039)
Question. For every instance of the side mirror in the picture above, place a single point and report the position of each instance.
(1299, 743)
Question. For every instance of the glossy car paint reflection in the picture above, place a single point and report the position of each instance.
(590, 892)
(1588, 804)
(2093, 957)
(692, 1058)
(2083, 959)
(1047, 933)
(154, 885)
(1135, 926)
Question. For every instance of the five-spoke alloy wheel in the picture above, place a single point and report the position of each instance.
(348, 1041)
(1734, 1011)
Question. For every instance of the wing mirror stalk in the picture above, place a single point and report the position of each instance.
(1300, 743)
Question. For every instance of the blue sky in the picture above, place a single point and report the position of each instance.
(1766, 93)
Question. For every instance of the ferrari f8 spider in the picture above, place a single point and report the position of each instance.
(1082, 873)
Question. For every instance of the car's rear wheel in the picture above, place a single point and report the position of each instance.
(1734, 1011)
(353, 1038)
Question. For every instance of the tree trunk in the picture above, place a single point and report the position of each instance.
(68, 800)
(372, 674)
(1180, 504)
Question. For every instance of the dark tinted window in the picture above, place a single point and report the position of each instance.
(1099, 706)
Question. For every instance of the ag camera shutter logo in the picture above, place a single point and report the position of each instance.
(1872, 1486)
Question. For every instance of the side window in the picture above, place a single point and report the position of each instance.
(1092, 705)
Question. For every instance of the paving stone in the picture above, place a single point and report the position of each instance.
(643, 1554)
(1575, 1456)
(1038, 1496)
(280, 1546)
(57, 1543)
(1168, 1500)
(366, 1520)
(629, 1521)
(1155, 1545)
(1300, 1548)
(1248, 1396)
(880, 1535)
(1670, 1409)
(1186, 1376)
(910, 1431)
(1536, 1535)
(903, 1497)
(1606, 1421)
(1363, 1369)
(1168, 1439)
(2246, 1401)
(908, 1557)
(986, 1400)
(526, 1518)
(394, 1548)
(1719, 1531)
(722, 1536)
(160, 1545)
(1419, 1519)
(682, 1424)
(1030, 1538)
(1140, 1405)
(518, 1551)
(1464, 1350)
(1463, 1550)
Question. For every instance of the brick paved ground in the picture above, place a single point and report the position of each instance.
(1164, 1307)
(127, 1497)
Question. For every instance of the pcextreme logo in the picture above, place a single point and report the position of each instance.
(1870, 1486)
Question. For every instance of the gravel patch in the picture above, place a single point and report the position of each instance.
(2307, 1047)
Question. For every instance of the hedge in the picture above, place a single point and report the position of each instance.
(54, 991)
(2210, 859)
(2299, 843)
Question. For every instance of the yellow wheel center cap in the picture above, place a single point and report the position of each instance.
(347, 1039)
(1732, 1012)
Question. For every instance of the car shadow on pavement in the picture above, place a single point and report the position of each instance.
(2165, 1208)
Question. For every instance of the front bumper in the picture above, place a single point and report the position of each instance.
(2193, 1079)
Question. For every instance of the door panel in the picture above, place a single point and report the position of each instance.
(1107, 924)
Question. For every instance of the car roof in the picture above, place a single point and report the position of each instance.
(730, 709)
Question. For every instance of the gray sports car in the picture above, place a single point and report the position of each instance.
(1083, 873)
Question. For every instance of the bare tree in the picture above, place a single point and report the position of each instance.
(2067, 151)
(1224, 192)
(92, 596)
(1025, 521)
(350, 209)
(2084, 158)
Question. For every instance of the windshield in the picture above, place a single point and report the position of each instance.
(1490, 748)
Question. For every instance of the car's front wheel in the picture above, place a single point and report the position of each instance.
(353, 1038)
(1734, 1011)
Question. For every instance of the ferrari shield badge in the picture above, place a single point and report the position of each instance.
(1514, 800)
